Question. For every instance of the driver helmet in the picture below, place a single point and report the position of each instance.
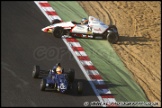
(58, 70)
(84, 21)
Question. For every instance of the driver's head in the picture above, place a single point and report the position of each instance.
(58, 70)
(84, 21)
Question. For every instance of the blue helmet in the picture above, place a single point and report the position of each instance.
(84, 20)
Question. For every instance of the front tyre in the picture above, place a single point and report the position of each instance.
(58, 32)
(71, 75)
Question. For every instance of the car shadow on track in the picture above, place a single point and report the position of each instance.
(87, 89)
(133, 40)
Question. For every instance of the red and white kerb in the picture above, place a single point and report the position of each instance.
(100, 88)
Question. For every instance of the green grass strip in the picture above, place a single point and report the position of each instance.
(120, 81)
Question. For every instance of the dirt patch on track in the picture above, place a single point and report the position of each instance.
(139, 46)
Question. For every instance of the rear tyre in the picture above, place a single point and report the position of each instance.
(36, 70)
(80, 88)
(43, 85)
(58, 32)
(112, 27)
(112, 37)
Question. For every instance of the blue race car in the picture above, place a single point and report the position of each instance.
(65, 81)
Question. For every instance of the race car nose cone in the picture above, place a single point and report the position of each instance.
(44, 30)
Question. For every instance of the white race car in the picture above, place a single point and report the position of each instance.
(94, 29)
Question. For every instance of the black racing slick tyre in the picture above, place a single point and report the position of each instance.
(55, 21)
(112, 37)
(112, 27)
(36, 70)
(58, 32)
(71, 75)
(43, 85)
(80, 88)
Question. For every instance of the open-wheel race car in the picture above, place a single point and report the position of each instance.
(93, 29)
(65, 81)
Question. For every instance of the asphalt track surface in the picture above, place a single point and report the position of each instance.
(23, 45)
